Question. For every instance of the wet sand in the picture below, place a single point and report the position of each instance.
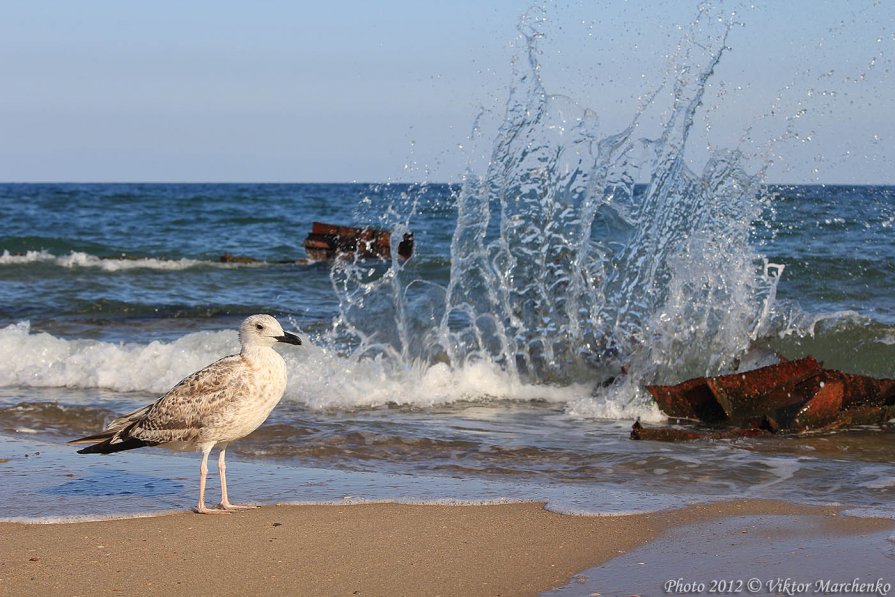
(750, 555)
(365, 549)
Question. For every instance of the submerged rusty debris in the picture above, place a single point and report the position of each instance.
(242, 259)
(328, 241)
(790, 396)
(674, 434)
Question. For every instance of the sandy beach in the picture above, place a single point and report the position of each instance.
(364, 549)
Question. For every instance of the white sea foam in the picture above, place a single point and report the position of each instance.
(73, 519)
(322, 379)
(43, 360)
(619, 401)
(872, 513)
(781, 469)
(318, 377)
(77, 259)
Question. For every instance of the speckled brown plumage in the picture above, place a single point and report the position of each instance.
(210, 408)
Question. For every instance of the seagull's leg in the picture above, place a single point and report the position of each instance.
(203, 474)
(222, 470)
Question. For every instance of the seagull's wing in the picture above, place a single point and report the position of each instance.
(198, 400)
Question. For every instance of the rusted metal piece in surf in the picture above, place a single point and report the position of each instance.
(738, 398)
(329, 241)
(240, 259)
(776, 391)
(791, 397)
(691, 399)
(675, 434)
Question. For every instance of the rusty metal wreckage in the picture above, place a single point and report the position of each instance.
(789, 397)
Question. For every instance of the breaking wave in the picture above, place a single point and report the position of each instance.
(319, 378)
(77, 259)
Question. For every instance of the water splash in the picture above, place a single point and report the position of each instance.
(373, 307)
(577, 256)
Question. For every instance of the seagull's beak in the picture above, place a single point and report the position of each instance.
(288, 338)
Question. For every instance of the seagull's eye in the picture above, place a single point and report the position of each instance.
(258, 326)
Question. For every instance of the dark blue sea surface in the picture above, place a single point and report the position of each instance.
(104, 256)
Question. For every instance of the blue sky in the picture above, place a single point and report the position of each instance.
(364, 91)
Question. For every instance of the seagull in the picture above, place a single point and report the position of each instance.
(214, 406)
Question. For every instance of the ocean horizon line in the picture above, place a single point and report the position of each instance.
(362, 183)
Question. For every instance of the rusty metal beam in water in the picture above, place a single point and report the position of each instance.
(790, 396)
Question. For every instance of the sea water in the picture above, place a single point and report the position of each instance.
(506, 360)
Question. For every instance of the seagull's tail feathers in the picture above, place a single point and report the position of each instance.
(113, 444)
(92, 439)
(116, 437)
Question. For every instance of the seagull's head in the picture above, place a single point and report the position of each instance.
(264, 330)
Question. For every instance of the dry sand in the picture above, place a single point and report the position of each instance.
(369, 549)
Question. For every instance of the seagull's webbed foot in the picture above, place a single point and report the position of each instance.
(203, 510)
(228, 507)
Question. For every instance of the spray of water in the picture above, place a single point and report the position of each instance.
(577, 256)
